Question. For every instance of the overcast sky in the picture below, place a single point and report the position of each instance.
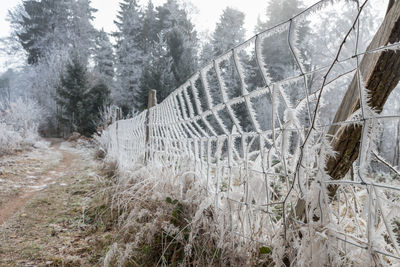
(205, 17)
(204, 14)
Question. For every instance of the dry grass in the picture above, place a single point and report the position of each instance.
(65, 224)
(161, 223)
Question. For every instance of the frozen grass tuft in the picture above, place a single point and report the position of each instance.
(166, 217)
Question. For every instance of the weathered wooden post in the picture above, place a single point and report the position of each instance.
(381, 74)
(118, 114)
(117, 118)
(151, 102)
(59, 110)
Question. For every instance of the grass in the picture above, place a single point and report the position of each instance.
(158, 224)
(66, 224)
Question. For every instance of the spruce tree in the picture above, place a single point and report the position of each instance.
(83, 33)
(35, 24)
(130, 55)
(157, 75)
(181, 40)
(5, 86)
(80, 103)
(104, 58)
(279, 60)
(46, 25)
(229, 31)
(72, 97)
(173, 57)
(276, 51)
(149, 31)
(99, 97)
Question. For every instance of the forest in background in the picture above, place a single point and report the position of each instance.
(76, 76)
(280, 150)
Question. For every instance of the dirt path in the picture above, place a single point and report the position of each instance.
(45, 197)
(11, 203)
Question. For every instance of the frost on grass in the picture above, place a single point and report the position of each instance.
(167, 217)
(217, 205)
(217, 191)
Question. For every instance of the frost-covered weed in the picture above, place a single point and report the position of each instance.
(261, 194)
(170, 213)
(167, 217)
(9, 139)
(19, 122)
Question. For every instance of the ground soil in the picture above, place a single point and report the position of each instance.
(45, 201)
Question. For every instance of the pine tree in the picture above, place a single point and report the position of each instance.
(104, 58)
(72, 97)
(157, 75)
(149, 32)
(34, 24)
(99, 97)
(80, 103)
(229, 31)
(42, 26)
(276, 51)
(130, 56)
(175, 51)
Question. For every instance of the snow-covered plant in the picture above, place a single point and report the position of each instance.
(166, 216)
(9, 139)
(23, 114)
(19, 123)
(259, 194)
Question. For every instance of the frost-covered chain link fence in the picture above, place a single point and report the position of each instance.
(253, 130)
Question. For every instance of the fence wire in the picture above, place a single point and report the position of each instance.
(255, 133)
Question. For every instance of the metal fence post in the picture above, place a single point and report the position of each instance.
(151, 102)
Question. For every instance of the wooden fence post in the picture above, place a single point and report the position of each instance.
(117, 117)
(118, 114)
(151, 102)
(381, 74)
(59, 110)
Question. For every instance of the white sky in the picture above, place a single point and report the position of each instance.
(205, 14)
(205, 17)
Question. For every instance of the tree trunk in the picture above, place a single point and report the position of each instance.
(381, 74)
